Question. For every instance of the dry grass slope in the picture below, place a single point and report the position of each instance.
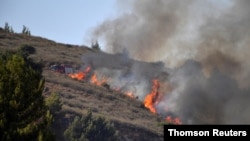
(129, 115)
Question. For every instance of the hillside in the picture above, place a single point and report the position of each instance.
(130, 117)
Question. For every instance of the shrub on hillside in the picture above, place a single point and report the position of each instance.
(27, 49)
(89, 128)
(54, 103)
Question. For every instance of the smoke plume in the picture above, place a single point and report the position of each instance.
(200, 51)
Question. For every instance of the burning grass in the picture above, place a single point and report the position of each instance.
(151, 98)
(150, 101)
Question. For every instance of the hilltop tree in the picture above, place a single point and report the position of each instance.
(8, 28)
(23, 114)
(26, 31)
(95, 46)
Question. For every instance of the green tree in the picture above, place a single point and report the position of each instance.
(89, 128)
(6, 27)
(23, 114)
(26, 31)
(53, 102)
(95, 46)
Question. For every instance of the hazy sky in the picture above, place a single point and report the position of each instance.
(63, 21)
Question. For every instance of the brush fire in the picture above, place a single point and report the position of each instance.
(177, 61)
(164, 91)
(181, 59)
(128, 80)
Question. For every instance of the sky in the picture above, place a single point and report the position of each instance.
(62, 21)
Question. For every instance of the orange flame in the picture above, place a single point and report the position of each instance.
(149, 102)
(150, 99)
(173, 120)
(80, 75)
(97, 82)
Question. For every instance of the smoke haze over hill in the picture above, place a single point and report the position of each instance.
(203, 48)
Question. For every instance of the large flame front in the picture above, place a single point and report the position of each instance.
(150, 99)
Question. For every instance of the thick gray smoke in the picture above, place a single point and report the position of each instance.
(124, 73)
(204, 42)
(198, 99)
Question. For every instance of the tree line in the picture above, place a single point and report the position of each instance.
(8, 28)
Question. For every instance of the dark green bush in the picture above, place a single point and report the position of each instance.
(89, 128)
(54, 103)
(23, 114)
(28, 49)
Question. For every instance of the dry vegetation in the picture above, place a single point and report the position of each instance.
(129, 115)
